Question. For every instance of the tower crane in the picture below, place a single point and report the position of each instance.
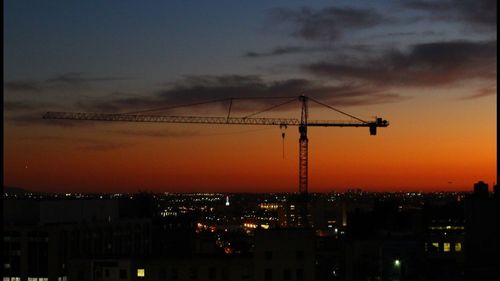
(302, 124)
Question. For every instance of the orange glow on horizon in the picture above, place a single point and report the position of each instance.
(421, 154)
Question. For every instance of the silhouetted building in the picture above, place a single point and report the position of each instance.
(481, 188)
(353, 236)
(444, 240)
(296, 211)
(285, 254)
(481, 234)
(192, 267)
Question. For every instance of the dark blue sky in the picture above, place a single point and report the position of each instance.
(160, 41)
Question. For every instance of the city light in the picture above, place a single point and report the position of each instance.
(257, 223)
(446, 247)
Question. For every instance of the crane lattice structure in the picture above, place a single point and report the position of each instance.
(302, 124)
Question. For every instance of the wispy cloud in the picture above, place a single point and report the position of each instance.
(78, 78)
(71, 79)
(104, 146)
(82, 143)
(16, 106)
(23, 86)
(156, 133)
(392, 35)
(428, 64)
(327, 24)
(205, 88)
(279, 51)
(480, 15)
(484, 92)
(33, 118)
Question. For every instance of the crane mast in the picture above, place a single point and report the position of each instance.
(302, 125)
(303, 143)
(302, 199)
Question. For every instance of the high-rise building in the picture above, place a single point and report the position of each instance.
(481, 234)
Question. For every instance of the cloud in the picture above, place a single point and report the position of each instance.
(85, 143)
(18, 106)
(78, 78)
(103, 146)
(392, 35)
(72, 79)
(327, 24)
(427, 64)
(35, 118)
(27, 113)
(279, 51)
(157, 133)
(484, 92)
(477, 14)
(196, 89)
(23, 86)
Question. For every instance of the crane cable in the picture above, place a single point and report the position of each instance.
(339, 111)
(229, 111)
(270, 108)
(201, 103)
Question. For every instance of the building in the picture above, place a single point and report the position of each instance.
(481, 225)
(285, 254)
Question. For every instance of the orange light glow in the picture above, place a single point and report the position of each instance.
(431, 153)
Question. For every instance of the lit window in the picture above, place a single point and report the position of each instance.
(141, 272)
(435, 244)
(458, 247)
(446, 247)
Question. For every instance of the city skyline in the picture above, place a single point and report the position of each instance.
(429, 68)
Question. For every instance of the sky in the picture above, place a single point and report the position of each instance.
(428, 67)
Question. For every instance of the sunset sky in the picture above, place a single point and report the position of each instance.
(429, 67)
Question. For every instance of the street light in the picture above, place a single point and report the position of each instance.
(397, 268)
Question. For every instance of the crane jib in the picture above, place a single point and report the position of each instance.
(205, 120)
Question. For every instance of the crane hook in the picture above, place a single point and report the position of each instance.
(283, 128)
